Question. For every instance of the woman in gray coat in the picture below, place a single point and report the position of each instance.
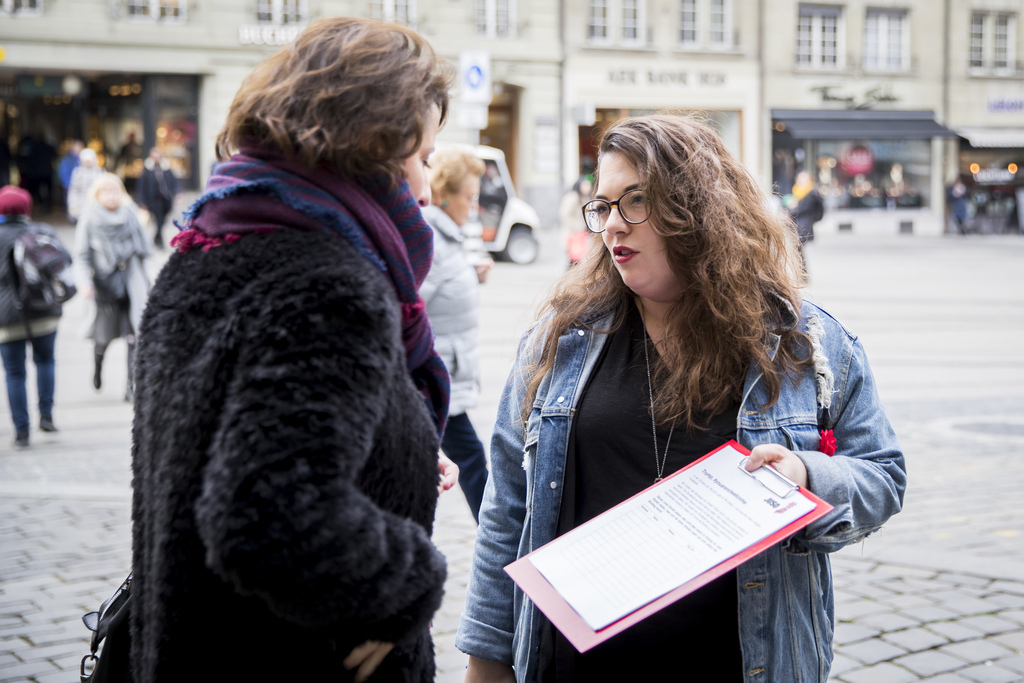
(450, 292)
(110, 250)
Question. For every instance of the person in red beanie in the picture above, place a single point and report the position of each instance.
(18, 325)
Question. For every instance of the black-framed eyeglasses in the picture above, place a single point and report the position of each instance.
(633, 207)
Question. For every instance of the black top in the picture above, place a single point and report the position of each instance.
(611, 458)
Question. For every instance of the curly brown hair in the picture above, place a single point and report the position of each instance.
(733, 255)
(349, 94)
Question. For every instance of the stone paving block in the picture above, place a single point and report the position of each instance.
(989, 625)
(892, 621)
(1008, 587)
(872, 651)
(930, 663)
(885, 672)
(930, 614)
(841, 664)
(915, 639)
(906, 572)
(1012, 639)
(954, 630)
(28, 670)
(847, 633)
(989, 673)
(963, 579)
(945, 678)
(976, 651)
(1006, 599)
(907, 602)
(1014, 615)
(964, 604)
(53, 651)
(1014, 663)
(854, 610)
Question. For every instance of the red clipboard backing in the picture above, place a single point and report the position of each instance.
(579, 633)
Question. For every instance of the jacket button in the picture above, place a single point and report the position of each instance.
(581, 333)
(554, 485)
(561, 399)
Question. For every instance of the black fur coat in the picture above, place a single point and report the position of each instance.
(285, 470)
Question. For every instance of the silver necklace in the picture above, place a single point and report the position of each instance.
(659, 463)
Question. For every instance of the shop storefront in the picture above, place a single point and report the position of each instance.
(604, 89)
(118, 115)
(878, 171)
(991, 166)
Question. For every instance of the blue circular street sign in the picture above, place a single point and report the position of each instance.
(474, 76)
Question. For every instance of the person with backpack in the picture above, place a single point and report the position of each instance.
(21, 322)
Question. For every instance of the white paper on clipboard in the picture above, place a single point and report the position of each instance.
(665, 536)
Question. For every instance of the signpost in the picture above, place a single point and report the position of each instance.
(475, 91)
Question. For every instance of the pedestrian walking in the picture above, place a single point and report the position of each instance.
(20, 326)
(686, 330)
(82, 178)
(157, 190)
(957, 195)
(289, 400)
(68, 164)
(806, 208)
(574, 231)
(110, 254)
(453, 306)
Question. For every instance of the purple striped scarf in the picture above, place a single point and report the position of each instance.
(259, 190)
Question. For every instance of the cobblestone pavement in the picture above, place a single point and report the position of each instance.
(937, 595)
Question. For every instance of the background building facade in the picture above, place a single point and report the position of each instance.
(885, 101)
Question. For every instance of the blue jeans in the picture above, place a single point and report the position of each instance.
(13, 353)
(461, 444)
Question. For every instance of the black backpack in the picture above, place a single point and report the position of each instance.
(42, 270)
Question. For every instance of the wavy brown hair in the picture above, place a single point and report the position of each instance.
(733, 256)
(351, 95)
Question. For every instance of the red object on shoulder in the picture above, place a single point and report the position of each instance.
(827, 445)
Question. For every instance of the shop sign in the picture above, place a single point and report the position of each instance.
(37, 86)
(857, 160)
(1005, 104)
(268, 34)
(994, 176)
(651, 77)
(871, 97)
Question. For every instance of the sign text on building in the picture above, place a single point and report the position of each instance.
(635, 77)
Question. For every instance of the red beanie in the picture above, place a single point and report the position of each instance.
(15, 201)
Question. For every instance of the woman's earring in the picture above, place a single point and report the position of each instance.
(444, 203)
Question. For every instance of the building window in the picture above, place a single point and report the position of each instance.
(993, 40)
(705, 23)
(281, 12)
(598, 22)
(23, 7)
(399, 11)
(157, 10)
(617, 21)
(886, 41)
(688, 22)
(977, 39)
(632, 22)
(819, 37)
(495, 18)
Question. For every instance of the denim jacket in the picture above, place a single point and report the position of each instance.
(786, 613)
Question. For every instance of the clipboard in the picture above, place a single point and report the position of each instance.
(583, 637)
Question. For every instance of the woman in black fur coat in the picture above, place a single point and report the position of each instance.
(288, 397)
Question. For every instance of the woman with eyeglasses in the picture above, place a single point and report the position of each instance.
(453, 301)
(688, 329)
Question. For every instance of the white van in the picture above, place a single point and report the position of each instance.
(505, 225)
